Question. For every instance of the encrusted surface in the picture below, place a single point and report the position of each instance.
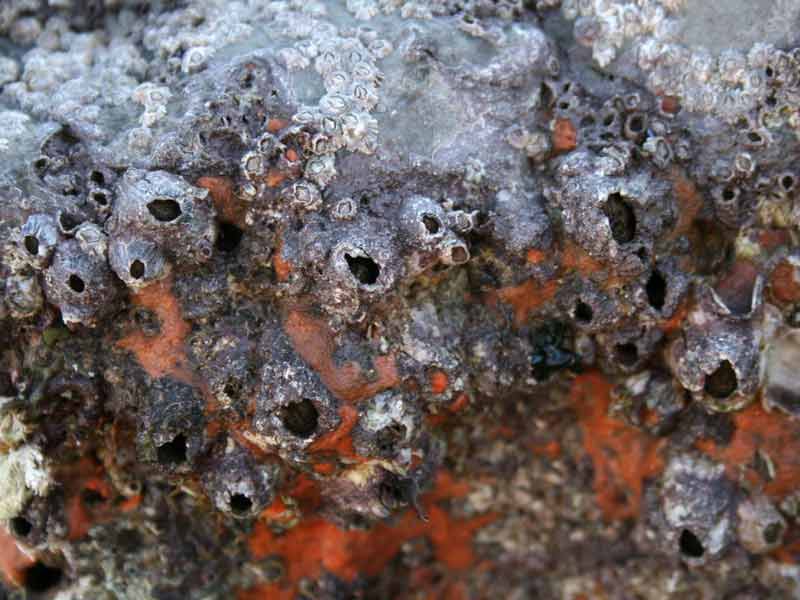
(399, 299)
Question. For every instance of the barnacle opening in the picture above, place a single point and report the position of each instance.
(240, 504)
(40, 577)
(621, 218)
(363, 268)
(300, 418)
(722, 382)
(97, 177)
(656, 289)
(99, 197)
(787, 182)
(228, 237)
(690, 545)
(137, 269)
(172, 452)
(31, 244)
(627, 354)
(76, 284)
(20, 526)
(583, 312)
(773, 532)
(68, 222)
(393, 492)
(164, 210)
(458, 254)
(431, 223)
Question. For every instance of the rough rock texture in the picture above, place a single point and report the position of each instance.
(399, 299)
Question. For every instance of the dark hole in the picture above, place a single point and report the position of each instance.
(431, 224)
(32, 244)
(722, 382)
(40, 163)
(690, 545)
(393, 493)
(174, 452)
(754, 137)
(300, 418)
(100, 198)
(129, 541)
(787, 181)
(164, 210)
(97, 177)
(621, 218)
(627, 353)
(228, 237)
(546, 95)
(363, 268)
(137, 269)
(636, 124)
(769, 71)
(387, 438)
(771, 100)
(564, 105)
(772, 532)
(92, 497)
(68, 222)
(583, 312)
(656, 289)
(608, 120)
(40, 578)
(240, 504)
(6, 385)
(20, 526)
(728, 194)
(76, 284)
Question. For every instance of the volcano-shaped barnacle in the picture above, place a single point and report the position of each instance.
(79, 281)
(165, 209)
(237, 484)
(37, 239)
(698, 504)
(363, 264)
(172, 426)
(137, 262)
(453, 251)
(302, 195)
(717, 359)
(423, 221)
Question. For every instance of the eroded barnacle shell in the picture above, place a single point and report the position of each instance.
(23, 295)
(172, 426)
(423, 221)
(387, 426)
(80, 283)
(293, 408)
(760, 525)
(698, 504)
(37, 240)
(168, 211)
(321, 169)
(717, 359)
(137, 262)
(781, 365)
(237, 484)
